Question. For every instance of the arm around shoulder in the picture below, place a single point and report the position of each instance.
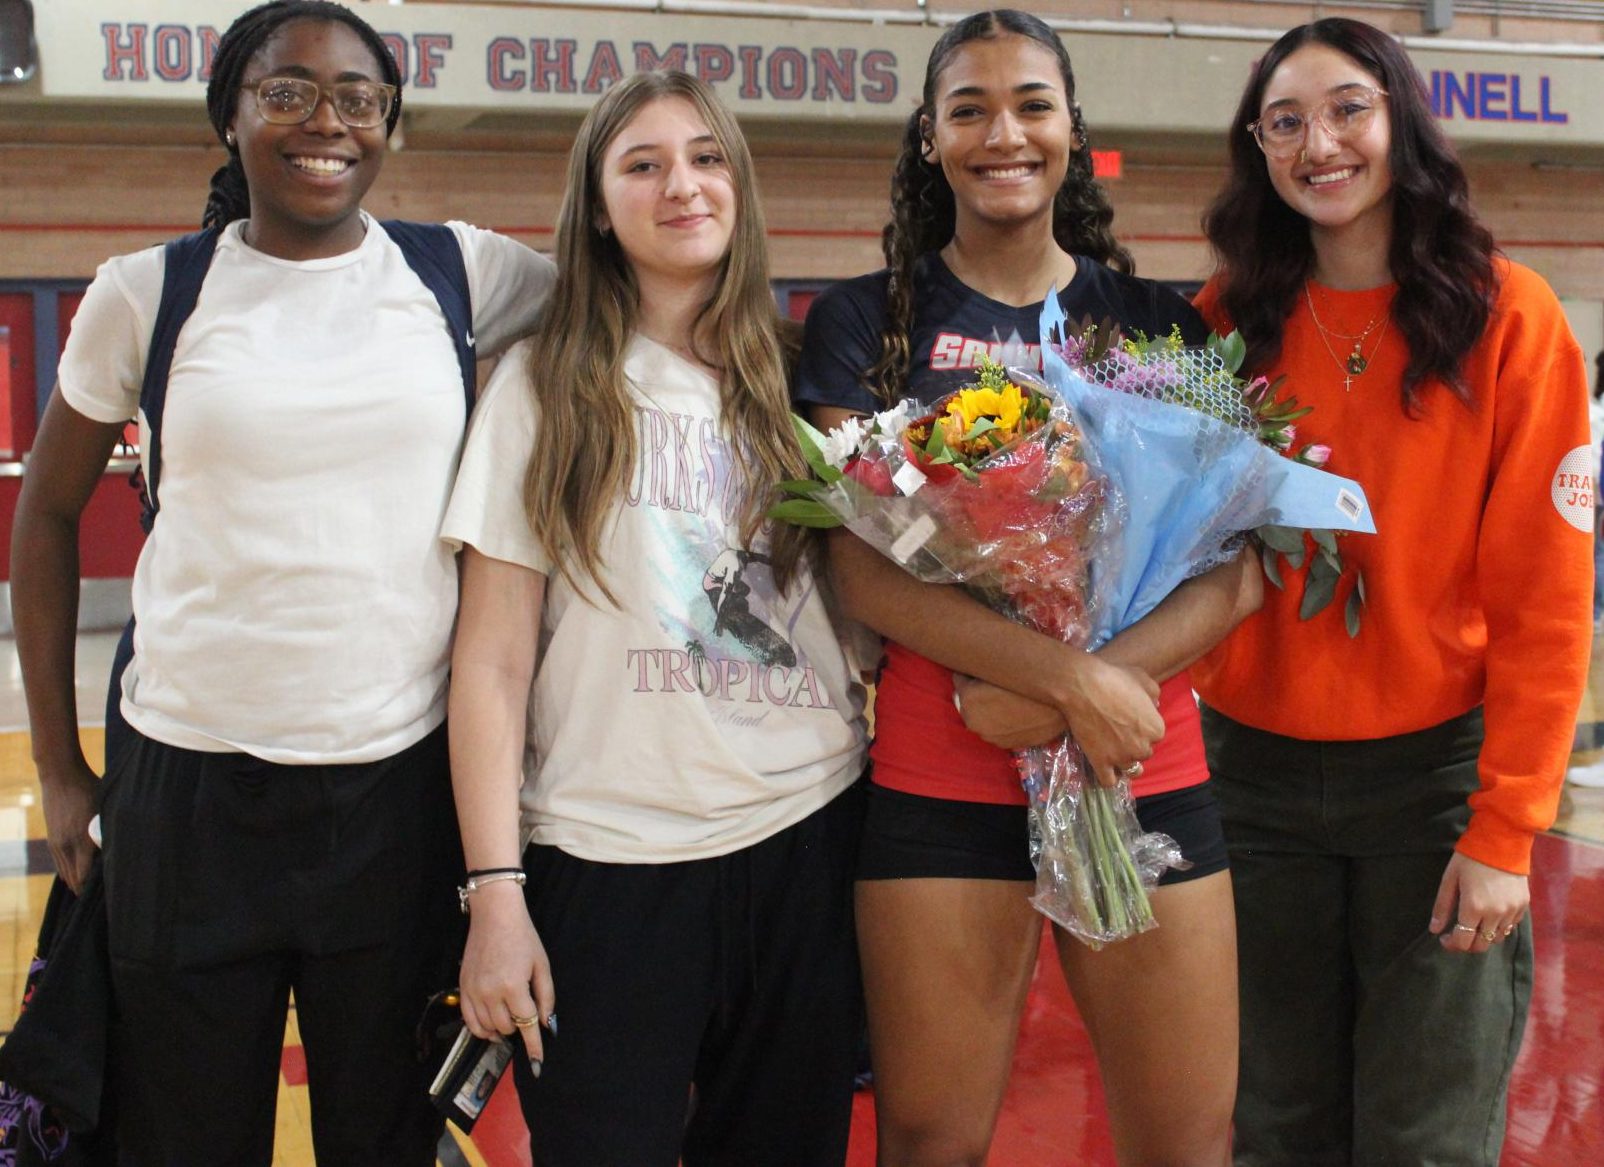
(509, 283)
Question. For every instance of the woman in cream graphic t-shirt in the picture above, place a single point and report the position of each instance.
(646, 669)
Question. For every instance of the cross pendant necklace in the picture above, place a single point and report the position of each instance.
(1357, 362)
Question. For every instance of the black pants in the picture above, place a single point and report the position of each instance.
(708, 1010)
(231, 882)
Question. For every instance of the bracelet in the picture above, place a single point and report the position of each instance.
(483, 871)
(477, 879)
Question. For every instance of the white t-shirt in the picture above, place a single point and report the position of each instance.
(706, 712)
(293, 601)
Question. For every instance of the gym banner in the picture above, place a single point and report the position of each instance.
(508, 58)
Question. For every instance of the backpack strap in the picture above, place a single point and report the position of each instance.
(435, 255)
(431, 250)
(187, 261)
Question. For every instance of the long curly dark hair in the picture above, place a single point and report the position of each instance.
(923, 212)
(1441, 256)
(230, 198)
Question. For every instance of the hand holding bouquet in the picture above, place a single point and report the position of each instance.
(992, 488)
(1076, 505)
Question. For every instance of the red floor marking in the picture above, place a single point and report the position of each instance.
(293, 1065)
(1556, 1113)
(500, 1133)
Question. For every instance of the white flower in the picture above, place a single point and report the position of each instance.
(893, 421)
(842, 444)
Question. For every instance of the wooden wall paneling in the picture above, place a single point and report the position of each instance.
(69, 206)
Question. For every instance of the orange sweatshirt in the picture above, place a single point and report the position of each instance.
(1479, 579)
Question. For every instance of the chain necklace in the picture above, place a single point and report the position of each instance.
(1357, 362)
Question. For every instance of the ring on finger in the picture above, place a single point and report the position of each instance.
(1509, 929)
(1464, 927)
(1130, 771)
(525, 1022)
(1488, 934)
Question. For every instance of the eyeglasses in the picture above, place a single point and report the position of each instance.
(289, 101)
(1281, 132)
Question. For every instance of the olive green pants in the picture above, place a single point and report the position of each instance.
(1363, 1041)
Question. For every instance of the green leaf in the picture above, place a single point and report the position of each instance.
(811, 441)
(1295, 559)
(1285, 411)
(1325, 539)
(1359, 586)
(1350, 612)
(804, 512)
(805, 487)
(1318, 590)
(1272, 570)
(982, 425)
(1284, 539)
(1232, 348)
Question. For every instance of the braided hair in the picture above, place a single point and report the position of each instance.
(230, 198)
(924, 213)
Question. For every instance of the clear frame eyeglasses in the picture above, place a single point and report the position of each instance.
(289, 101)
(1282, 131)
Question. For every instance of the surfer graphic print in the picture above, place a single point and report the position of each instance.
(702, 661)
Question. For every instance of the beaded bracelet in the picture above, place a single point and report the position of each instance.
(478, 879)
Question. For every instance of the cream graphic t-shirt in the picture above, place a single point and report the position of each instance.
(706, 711)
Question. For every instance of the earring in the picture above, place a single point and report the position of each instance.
(229, 139)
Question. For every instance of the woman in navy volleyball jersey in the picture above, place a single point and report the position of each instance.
(993, 202)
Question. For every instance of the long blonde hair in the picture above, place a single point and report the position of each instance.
(587, 439)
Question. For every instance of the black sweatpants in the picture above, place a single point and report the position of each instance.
(231, 882)
(708, 1010)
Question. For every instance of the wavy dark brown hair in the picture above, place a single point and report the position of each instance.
(1440, 256)
(230, 198)
(923, 211)
(588, 447)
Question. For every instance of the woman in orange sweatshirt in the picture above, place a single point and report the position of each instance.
(1381, 792)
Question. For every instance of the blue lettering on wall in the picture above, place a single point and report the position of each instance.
(1492, 97)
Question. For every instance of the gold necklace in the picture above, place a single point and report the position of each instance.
(1357, 362)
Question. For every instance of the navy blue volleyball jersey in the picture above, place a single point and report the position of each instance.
(954, 326)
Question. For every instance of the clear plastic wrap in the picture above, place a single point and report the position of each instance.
(1020, 529)
(1075, 504)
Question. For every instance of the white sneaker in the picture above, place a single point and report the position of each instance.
(1591, 775)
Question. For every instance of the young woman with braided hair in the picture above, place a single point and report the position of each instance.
(1381, 793)
(993, 202)
(279, 816)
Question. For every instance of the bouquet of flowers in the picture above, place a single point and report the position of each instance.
(992, 487)
(1204, 380)
(1074, 509)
